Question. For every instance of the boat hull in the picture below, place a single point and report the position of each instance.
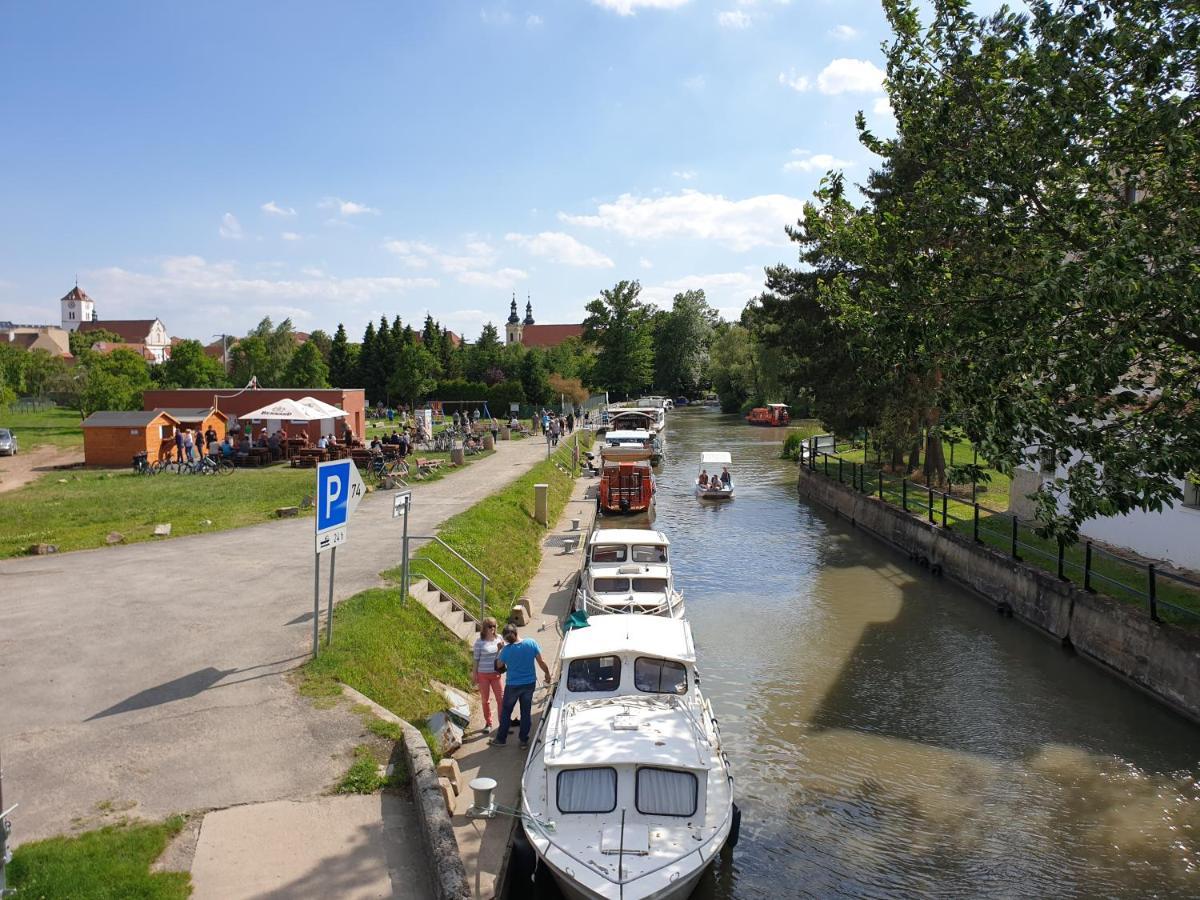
(679, 890)
(716, 496)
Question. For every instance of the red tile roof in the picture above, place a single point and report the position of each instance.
(549, 335)
(132, 331)
(107, 347)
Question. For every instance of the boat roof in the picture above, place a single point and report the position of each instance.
(664, 735)
(784, 405)
(627, 435)
(648, 412)
(658, 636)
(628, 536)
(716, 456)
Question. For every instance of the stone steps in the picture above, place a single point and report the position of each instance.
(443, 610)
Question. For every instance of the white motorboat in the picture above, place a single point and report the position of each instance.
(627, 792)
(705, 489)
(641, 419)
(628, 570)
(630, 445)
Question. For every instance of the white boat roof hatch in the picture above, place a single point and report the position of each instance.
(716, 456)
(658, 636)
(627, 436)
(628, 536)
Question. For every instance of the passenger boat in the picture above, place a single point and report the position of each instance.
(625, 486)
(627, 793)
(628, 570)
(715, 459)
(637, 420)
(631, 445)
(771, 415)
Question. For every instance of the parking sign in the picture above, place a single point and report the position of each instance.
(339, 490)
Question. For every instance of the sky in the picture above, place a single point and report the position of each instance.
(214, 163)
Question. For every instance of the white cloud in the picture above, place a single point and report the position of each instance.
(738, 224)
(533, 21)
(291, 236)
(561, 248)
(814, 162)
(694, 83)
(495, 16)
(794, 81)
(727, 291)
(645, 263)
(882, 106)
(271, 208)
(630, 7)
(844, 76)
(346, 208)
(843, 32)
(231, 228)
(500, 279)
(685, 174)
(733, 18)
(475, 255)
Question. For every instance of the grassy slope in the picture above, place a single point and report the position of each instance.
(389, 649)
(111, 863)
(57, 426)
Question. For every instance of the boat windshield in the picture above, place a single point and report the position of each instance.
(659, 676)
(649, 553)
(608, 553)
(594, 674)
(649, 585)
(610, 585)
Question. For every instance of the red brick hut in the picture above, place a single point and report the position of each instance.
(200, 418)
(235, 403)
(113, 438)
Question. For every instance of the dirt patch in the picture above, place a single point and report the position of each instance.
(29, 465)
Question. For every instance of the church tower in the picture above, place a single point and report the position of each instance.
(78, 307)
(528, 311)
(513, 328)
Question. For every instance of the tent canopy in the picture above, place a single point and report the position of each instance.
(715, 456)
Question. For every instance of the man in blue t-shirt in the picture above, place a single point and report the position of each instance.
(518, 658)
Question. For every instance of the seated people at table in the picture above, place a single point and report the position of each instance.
(244, 445)
(226, 448)
(322, 443)
(273, 445)
(376, 445)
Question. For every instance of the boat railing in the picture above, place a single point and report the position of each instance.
(671, 605)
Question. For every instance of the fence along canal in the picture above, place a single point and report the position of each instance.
(892, 736)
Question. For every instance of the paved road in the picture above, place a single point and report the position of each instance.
(152, 677)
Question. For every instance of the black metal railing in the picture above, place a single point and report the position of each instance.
(1119, 576)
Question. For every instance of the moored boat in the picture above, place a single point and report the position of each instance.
(773, 415)
(631, 445)
(625, 486)
(628, 570)
(715, 485)
(627, 792)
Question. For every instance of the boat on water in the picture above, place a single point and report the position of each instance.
(628, 570)
(638, 419)
(631, 445)
(773, 415)
(627, 792)
(626, 486)
(711, 482)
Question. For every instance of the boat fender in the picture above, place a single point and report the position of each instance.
(935, 569)
(735, 829)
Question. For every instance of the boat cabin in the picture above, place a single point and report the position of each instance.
(628, 656)
(771, 415)
(633, 420)
(625, 486)
(628, 571)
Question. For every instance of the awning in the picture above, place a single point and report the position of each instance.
(715, 456)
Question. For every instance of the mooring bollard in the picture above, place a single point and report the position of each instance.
(541, 503)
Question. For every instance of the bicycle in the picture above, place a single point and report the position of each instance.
(142, 466)
(211, 465)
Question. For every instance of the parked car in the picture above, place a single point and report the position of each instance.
(8, 443)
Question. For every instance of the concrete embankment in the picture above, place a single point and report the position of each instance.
(1160, 658)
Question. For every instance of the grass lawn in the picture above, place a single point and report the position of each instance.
(111, 863)
(58, 426)
(389, 648)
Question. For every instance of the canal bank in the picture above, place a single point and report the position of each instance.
(1160, 658)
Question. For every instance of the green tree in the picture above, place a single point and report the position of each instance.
(731, 367)
(82, 341)
(618, 324)
(483, 358)
(307, 368)
(190, 367)
(415, 374)
(534, 378)
(111, 381)
(342, 360)
(681, 344)
(324, 343)
(368, 365)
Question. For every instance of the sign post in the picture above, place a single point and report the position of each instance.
(401, 504)
(339, 490)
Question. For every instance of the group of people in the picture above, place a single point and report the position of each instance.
(512, 659)
(400, 442)
(192, 443)
(717, 482)
(555, 426)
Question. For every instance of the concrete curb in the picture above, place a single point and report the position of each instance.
(449, 873)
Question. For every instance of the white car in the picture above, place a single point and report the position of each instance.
(8, 443)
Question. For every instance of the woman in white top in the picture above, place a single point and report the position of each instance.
(486, 677)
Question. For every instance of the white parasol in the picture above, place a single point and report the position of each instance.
(327, 411)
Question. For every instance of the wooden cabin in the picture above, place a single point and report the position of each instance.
(113, 438)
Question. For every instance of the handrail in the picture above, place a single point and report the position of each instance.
(481, 599)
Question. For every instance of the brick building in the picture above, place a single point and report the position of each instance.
(236, 403)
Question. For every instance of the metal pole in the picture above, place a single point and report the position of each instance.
(904, 493)
(1153, 585)
(881, 484)
(482, 597)
(839, 470)
(329, 612)
(930, 489)
(404, 574)
(1016, 525)
(1062, 547)
(1087, 566)
(944, 499)
(317, 605)
(976, 505)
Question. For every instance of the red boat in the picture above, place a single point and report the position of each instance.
(626, 486)
(772, 415)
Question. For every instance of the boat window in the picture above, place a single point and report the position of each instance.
(649, 553)
(665, 792)
(650, 585)
(659, 676)
(597, 673)
(610, 585)
(587, 790)
(608, 553)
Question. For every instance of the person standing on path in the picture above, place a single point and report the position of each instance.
(178, 445)
(518, 658)
(188, 445)
(487, 646)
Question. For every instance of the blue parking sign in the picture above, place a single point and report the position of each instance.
(339, 490)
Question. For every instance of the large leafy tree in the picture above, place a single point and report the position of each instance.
(484, 356)
(80, 342)
(415, 375)
(618, 324)
(307, 368)
(190, 367)
(109, 381)
(681, 344)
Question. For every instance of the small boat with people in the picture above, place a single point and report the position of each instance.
(715, 482)
(773, 415)
(626, 486)
(628, 570)
(627, 792)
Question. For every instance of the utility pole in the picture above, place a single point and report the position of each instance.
(224, 350)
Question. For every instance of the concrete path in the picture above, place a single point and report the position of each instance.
(484, 843)
(353, 848)
(150, 679)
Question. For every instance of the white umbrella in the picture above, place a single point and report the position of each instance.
(285, 409)
(327, 411)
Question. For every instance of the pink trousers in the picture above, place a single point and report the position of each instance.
(489, 682)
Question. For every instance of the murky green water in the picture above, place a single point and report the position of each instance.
(890, 734)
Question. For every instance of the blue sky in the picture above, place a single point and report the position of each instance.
(215, 163)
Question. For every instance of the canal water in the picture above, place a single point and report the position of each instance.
(891, 736)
